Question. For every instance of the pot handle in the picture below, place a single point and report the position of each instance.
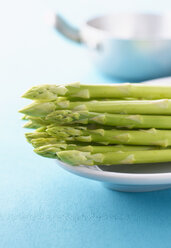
(67, 30)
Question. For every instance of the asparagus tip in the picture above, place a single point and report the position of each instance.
(80, 158)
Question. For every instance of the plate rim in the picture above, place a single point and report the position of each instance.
(119, 177)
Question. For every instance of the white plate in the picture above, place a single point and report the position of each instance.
(128, 178)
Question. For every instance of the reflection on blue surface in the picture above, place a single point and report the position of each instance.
(42, 205)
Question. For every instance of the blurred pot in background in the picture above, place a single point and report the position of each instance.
(132, 47)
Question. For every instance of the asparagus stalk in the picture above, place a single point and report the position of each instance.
(76, 90)
(35, 122)
(128, 121)
(41, 129)
(36, 135)
(41, 138)
(24, 118)
(149, 107)
(38, 142)
(50, 150)
(127, 137)
(39, 109)
(110, 158)
(31, 124)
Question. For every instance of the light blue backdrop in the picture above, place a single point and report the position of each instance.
(41, 205)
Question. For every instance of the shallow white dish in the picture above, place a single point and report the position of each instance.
(128, 178)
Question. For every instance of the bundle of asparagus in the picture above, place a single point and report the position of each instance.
(100, 124)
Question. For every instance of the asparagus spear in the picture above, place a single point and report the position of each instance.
(41, 129)
(31, 124)
(37, 142)
(76, 90)
(110, 158)
(35, 122)
(150, 107)
(50, 150)
(36, 135)
(40, 137)
(39, 109)
(24, 118)
(128, 121)
(127, 137)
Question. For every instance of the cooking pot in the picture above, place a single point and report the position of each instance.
(131, 47)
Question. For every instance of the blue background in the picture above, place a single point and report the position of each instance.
(42, 205)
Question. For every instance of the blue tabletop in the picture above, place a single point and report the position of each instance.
(41, 205)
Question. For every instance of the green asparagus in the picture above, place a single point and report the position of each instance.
(36, 135)
(149, 107)
(50, 150)
(91, 124)
(76, 90)
(129, 121)
(111, 158)
(35, 122)
(37, 142)
(126, 137)
(31, 124)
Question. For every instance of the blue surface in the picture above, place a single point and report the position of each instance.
(42, 205)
